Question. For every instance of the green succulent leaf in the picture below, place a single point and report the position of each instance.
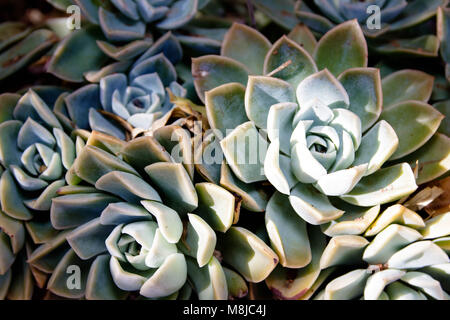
(313, 206)
(418, 255)
(8, 102)
(223, 101)
(212, 71)
(24, 52)
(247, 253)
(304, 37)
(396, 214)
(69, 63)
(239, 41)
(237, 287)
(363, 85)
(293, 284)
(423, 121)
(173, 183)
(433, 158)
(343, 250)
(383, 186)
(216, 206)
(285, 50)
(263, 92)
(348, 45)
(413, 84)
(287, 232)
(209, 281)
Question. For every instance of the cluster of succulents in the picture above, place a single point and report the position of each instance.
(186, 155)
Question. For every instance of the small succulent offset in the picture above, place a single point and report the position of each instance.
(402, 26)
(407, 257)
(135, 99)
(335, 149)
(35, 154)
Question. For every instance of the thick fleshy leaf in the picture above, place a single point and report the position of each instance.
(123, 212)
(418, 255)
(15, 230)
(169, 278)
(443, 32)
(174, 186)
(80, 102)
(415, 13)
(343, 250)
(179, 14)
(100, 284)
(215, 205)
(126, 52)
(12, 32)
(385, 185)
(11, 199)
(378, 281)
(69, 63)
(277, 169)
(423, 121)
(239, 41)
(425, 283)
(433, 157)
(8, 102)
(59, 280)
(421, 46)
(439, 272)
(301, 64)
(293, 284)
(209, 281)
(437, 227)
(22, 53)
(254, 198)
(127, 186)
(313, 206)
(348, 45)
(395, 214)
(237, 287)
(282, 12)
(225, 107)
(88, 240)
(388, 242)
(304, 37)
(363, 86)
(244, 149)
(76, 209)
(117, 27)
(324, 87)
(354, 222)
(247, 253)
(212, 71)
(199, 240)
(287, 232)
(399, 291)
(144, 151)
(168, 220)
(263, 92)
(93, 163)
(413, 84)
(377, 146)
(348, 286)
(342, 181)
(9, 151)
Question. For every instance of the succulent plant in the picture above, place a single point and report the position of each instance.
(403, 24)
(121, 101)
(407, 259)
(319, 130)
(35, 154)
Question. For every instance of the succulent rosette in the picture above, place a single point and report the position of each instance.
(137, 226)
(326, 132)
(404, 27)
(35, 154)
(399, 257)
(121, 102)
